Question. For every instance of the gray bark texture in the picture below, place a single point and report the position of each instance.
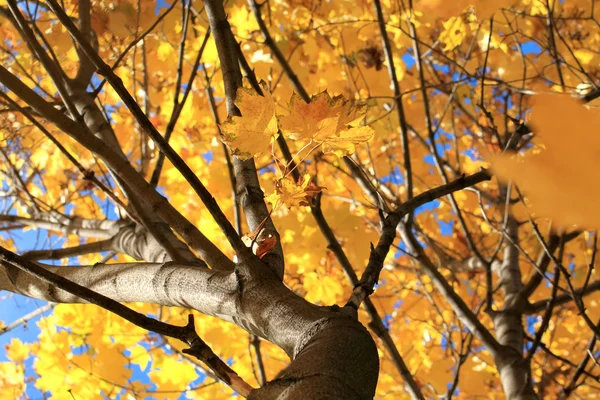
(333, 355)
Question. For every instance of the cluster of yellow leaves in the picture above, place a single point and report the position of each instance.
(12, 374)
(330, 122)
(334, 124)
(455, 31)
(484, 9)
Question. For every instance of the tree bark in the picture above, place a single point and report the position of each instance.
(333, 355)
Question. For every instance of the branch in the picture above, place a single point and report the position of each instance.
(178, 106)
(50, 66)
(255, 343)
(82, 109)
(248, 187)
(390, 224)
(376, 323)
(543, 262)
(186, 334)
(572, 386)
(86, 68)
(75, 226)
(208, 251)
(276, 51)
(237, 216)
(117, 84)
(540, 305)
(55, 254)
(135, 42)
(387, 49)
(371, 274)
(577, 299)
(547, 315)
(26, 318)
(461, 309)
(87, 174)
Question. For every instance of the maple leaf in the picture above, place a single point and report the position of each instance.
(265, 246)
(256, 129)
(17, 351)
(331, 122)
(260, 246)
(289, 193)
(560, 180)
(12, 378)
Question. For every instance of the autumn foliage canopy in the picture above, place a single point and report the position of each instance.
(392, 199)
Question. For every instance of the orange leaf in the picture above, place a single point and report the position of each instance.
(560, 181)
(332, 122)
(256, 129)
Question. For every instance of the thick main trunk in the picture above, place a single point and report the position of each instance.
(515, 370)
(338, 362)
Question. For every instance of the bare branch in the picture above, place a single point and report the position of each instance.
(178, 105)
(142, 119)
(55, 254)
(390, 224)
(208, 251)
(562, 299)
(248, 189)
(389, 57)
(26, 318)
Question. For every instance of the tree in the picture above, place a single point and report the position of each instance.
(428, 229)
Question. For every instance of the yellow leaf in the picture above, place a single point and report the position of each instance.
(492, 41)
(17, 351)
(455, 31)
(242, 19)
(12, 380)
(331, 122)
(485, 228)
(256, 129)
(289, 193)
(538, 7)
(140, 356)
(441, 8)
(485, 9)
(560, 181)
(172, 374)
(322, 288)
(584, 56)
(110, 364)
(164, 51)
(344, 144)
(119, 23)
